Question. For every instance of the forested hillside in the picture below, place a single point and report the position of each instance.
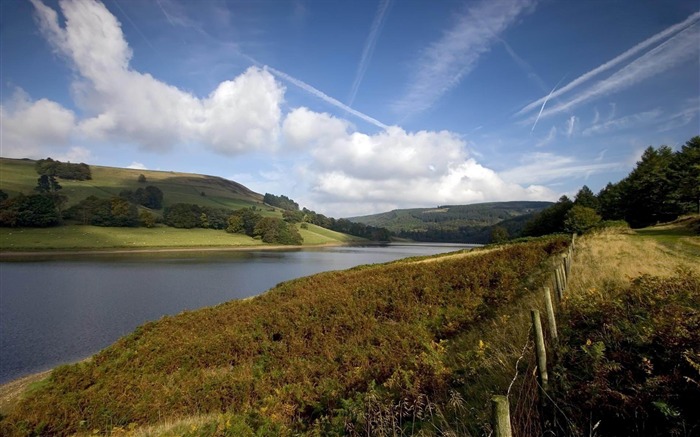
(456, 223)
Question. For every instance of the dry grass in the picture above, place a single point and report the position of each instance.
(614, 256)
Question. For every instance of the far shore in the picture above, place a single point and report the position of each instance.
(8, 255)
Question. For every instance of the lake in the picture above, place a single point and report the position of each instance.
(60, 311)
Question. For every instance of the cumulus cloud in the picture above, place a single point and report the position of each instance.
(123, 104)
(30, 128)
(394, 168)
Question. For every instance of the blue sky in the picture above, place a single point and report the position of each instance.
(355, 107)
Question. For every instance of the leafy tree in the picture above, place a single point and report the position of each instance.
(292, 216)
(579, 219)
(123, 213)
(37, 210)
(282, 202)
(235, 224)
(63, 170)
(499, 234)
(550, 220)
(147, 219)
(142, 179)
(248, 221)
(182, 215)
(276, 231)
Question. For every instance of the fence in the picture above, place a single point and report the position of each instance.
(500, 405)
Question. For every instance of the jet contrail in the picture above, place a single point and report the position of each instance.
(544, 103)
(369, 48)
(676, 28)
(325, 97)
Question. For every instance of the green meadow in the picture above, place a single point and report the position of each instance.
(79, 237)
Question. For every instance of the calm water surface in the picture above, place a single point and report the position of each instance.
(54, 312)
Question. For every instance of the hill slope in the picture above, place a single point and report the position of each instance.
(19, 176)
(463, 223)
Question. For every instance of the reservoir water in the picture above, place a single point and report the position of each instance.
(60, 311)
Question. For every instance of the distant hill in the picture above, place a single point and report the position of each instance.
(456, 223)
(19, 176)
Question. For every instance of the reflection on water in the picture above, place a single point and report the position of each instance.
(57, 311)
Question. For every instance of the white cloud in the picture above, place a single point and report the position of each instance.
(570, 126)
(551, 136)
(137, 166)
(393, 168)
(621, 123)
(443, 64)
(541, 168)
(33, 129)
(303, 128)
(122, 104)
(75, 154)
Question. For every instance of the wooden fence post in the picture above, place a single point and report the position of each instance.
(558, 285)
(540, 350)
(550, 314)
(500, 411)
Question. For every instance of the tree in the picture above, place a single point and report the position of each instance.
(585, 197)
(610, 203)
(235, 224)
(147, 219)
(550, 220)
(37, 210)
(142, 179)
(248, 221)
(579, 219)
(647, 188)
(684, 175)
(3, 196)
(47, 184)
(276, 231)
(499, 234)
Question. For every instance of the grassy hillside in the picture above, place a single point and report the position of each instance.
(412, 347)
(467, 223)
(312, 355)
(18, 176)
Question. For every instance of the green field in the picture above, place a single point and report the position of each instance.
(74, 237)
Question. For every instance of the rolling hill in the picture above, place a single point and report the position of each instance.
(462, 223)
(19, 176)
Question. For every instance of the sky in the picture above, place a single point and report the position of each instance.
(354, 107)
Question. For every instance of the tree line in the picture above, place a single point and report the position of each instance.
(292, 214)
(663, 186)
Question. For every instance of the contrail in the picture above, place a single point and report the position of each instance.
(325, 97)
(613, 62)
(544, 103)
(368, 50)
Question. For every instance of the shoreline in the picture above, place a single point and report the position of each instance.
(9, 255)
